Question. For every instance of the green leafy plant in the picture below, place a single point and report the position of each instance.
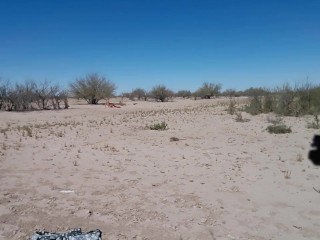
(279, 129)
(159, 126)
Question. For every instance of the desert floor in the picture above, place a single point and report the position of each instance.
(95, 167)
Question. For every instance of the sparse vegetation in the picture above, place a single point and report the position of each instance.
(232, 106)
(287, 174)
(27, 129)
(75, 163)
(279, 129)
(239, 118)
(159, 126)
(315, 124)
(275, 120)
(299, 157)
(31, 96)
(285, 100)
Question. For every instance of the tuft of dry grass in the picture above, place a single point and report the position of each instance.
(27, 129)
(75, 163)
(287, 174)
(299, 158)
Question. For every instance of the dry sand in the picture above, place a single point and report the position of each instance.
(96, 167)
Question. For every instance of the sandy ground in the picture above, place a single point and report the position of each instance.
(95, 167)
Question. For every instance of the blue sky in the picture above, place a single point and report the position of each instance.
(179, 43)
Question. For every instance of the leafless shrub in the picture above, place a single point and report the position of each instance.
(92, 88)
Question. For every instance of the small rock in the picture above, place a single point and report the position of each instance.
(203, 220)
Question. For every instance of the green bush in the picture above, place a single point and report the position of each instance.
(279, 129)
(255, 105)
(159, 126)
(285, 100)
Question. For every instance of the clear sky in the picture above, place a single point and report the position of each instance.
(179, 43)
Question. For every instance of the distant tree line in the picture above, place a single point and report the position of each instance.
(162, 93)
(30, 95)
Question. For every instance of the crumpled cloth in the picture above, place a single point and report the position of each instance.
(74, 234)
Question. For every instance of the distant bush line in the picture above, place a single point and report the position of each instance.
(32, 96)
(285, 100)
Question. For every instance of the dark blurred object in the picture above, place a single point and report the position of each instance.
(314, 155)
(74, 234)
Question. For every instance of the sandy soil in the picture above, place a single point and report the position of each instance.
(95, 167)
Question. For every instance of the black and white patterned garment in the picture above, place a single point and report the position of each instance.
(74, 234)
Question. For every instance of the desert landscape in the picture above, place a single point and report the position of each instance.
(206, 176)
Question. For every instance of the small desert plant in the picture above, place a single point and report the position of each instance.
(239, 118)
(275, 120)
(287, 174)
(299, 157)
(60, 134)
(159, 126)
(75, 163)
(255, 105)
(315, 124)
(232, 107)
(28, 130)
(279, 129)
(4, 130)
